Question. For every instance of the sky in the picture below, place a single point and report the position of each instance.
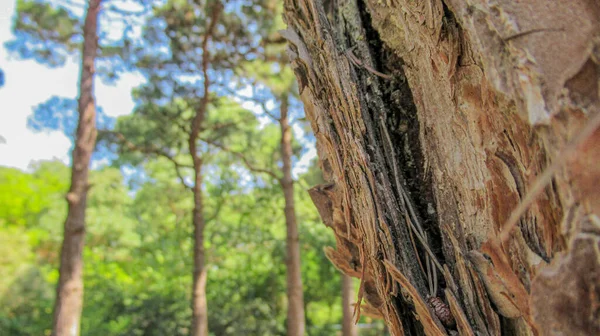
(28, 84)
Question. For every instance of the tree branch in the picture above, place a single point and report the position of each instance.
(244, 159)
(254, 100)
(201, 112)
(219, 126)
(215, 214)
(150, 150)
(274, 39)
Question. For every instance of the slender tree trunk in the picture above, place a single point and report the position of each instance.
(435, 122)
(69, 293)
(199, 305)
(295, 314)
(349, 328)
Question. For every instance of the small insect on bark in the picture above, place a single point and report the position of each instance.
(442, 311)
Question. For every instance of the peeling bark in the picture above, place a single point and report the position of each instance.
(433, 119)
(69, 292)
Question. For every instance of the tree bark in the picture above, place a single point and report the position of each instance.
(295, 314)
(349, 328)
(199, 305)
(434, 121)
(69, 292)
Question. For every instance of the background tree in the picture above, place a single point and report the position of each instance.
(27, 296)
(138, 254)
(433, 122)
(280, 86)
(69, 297)
(349, 328)
(152, 132)
(189, 55)
(49, 34)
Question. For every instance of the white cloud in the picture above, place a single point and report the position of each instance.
(116, 100)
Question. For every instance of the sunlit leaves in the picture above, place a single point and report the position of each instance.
(138, 260)
(23, 196)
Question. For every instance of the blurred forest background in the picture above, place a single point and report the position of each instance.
(139, 242)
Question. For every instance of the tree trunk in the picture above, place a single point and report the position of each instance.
(433, 119)
(295, 314)
(199, 306)
(69, 292)
(349, 328)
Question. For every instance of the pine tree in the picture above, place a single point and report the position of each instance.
(50, 34)
(191, 54)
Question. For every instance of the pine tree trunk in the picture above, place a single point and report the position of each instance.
(295, 314)
(199, 304)
(433, 119)
(349, 328)
(69, 292)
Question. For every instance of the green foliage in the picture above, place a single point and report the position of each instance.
(51, 31)
(23, 195)
(44, 32)
(138, 257)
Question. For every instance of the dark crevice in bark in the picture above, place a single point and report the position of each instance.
(406, 311)
(393, 98)
(374, 41)
(403, 128)
(508, 326)
(373, 107)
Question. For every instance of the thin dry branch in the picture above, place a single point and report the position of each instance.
(254, 100)
(219, 126)
(352, 58)
(151, 150)
(244, 159)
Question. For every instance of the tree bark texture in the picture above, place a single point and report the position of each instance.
(349, 327)
(433, 120)
(295, 313)
(69, 292)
